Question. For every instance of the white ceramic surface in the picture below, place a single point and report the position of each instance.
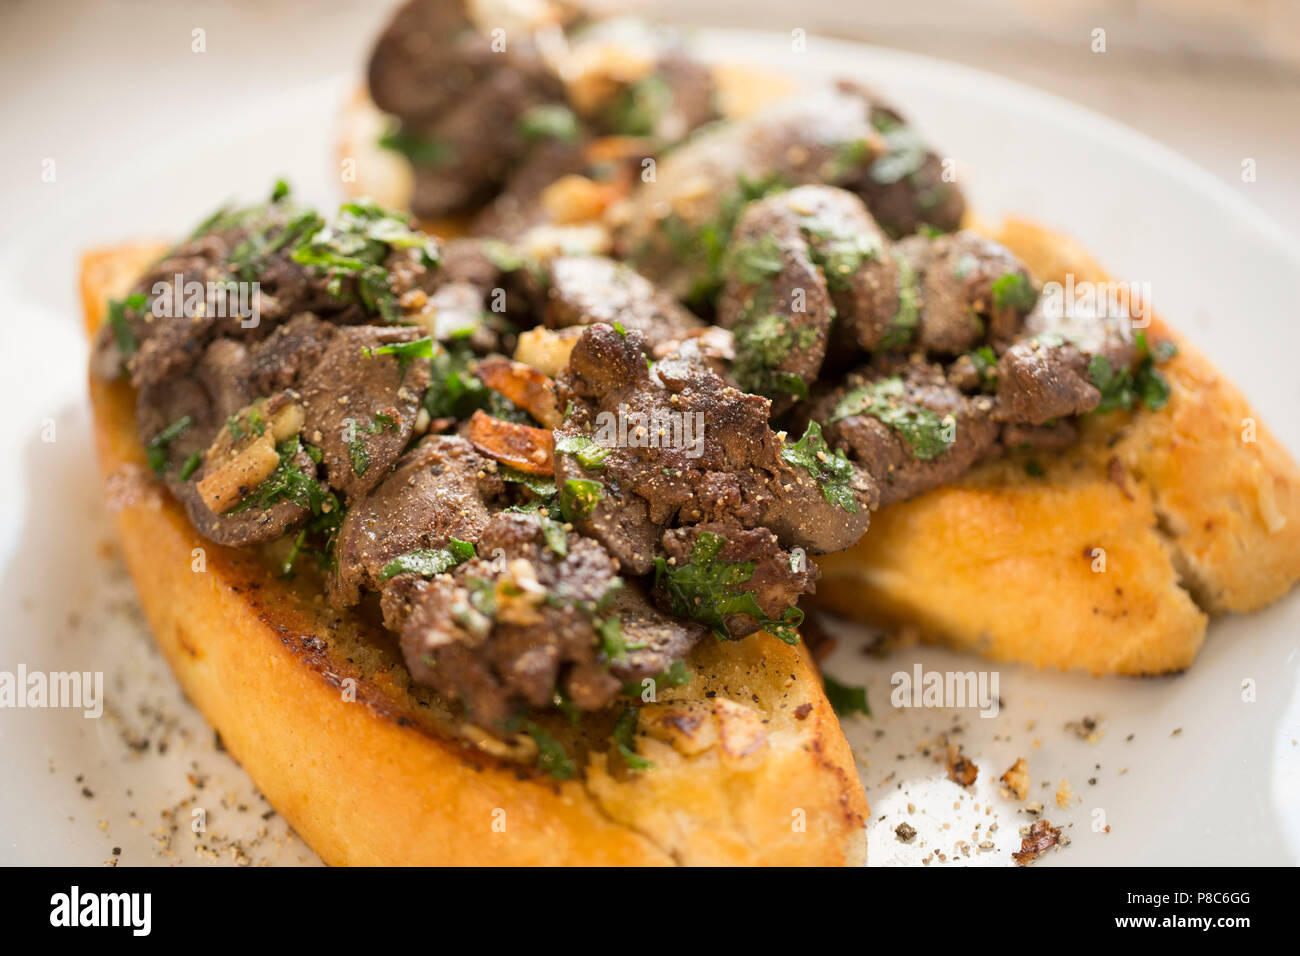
(1204, 777)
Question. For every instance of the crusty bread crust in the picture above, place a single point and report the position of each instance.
(750, 764)
(1184, 515)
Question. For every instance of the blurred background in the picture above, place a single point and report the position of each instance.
(1218, 80)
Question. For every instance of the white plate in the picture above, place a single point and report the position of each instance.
(1185, 770)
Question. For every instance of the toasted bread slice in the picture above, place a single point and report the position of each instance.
(750, 765)
(1112, 560)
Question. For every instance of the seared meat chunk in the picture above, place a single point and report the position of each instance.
(643, 448)
(582, 290)
(775, 302)
(905, 424)
(966, 290)
(1039, 381)
(736, 580)
(361, 400)
(537, 613)
(428, 57)
(904, 186)
(676, 227)
(269, 509)
(1053, 437)
(440, 490)
(460, 101)
(474, 144)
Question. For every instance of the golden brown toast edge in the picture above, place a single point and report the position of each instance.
(1108, 562)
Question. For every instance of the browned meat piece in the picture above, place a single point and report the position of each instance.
(642, 448)
(268, 511)
(765, 581)
(361, 404)
(461, 103)
(547, 614)
(905, 424)
(1054, 437)
(517, 207)
(440, 490)
(286, 355)
(478, 139)
(676, 227)
(429, 57)
(775, 302)
(966, 290)
(852, 251)
(1039, 381)
(582, 290)
(904, 187)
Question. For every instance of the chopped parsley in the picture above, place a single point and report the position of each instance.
(702, 247)
(542, 487)
(156, 451)
(579, 497)
(763, 343)
(556, 538)
(832, 472)
(549, 121)
(710, 590)
(985, 361)
(587, 452)
(355, 247)
(420, 150)
(1122, 388)
(625, 739)
(191, 465)
(845, 699)
(427, 562)
(122, 334)
(404, 352)
(288, 482)
(839, 254)
(551, 755)
(454, 391)
(636, 111)
(921, 428)
(905, 153)
(908, 315)
(1013, 291)
(358, 453)
(751, 261)
(613, 641)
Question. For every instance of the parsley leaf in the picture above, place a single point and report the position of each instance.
(625, 739)
(832, 472)
(551, 755)
(845, 699)
(579, 497)
(709, 590)
(427, 562)
(156, 451)
(920, 428)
